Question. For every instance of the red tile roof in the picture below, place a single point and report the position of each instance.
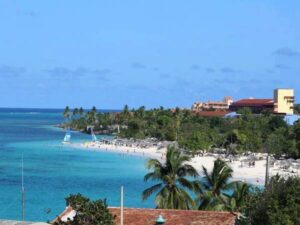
(135, 216)
(253, 102)
(212, 113)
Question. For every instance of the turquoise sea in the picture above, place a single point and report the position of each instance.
(53, 171)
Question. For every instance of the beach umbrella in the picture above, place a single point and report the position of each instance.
(245, 160)
(296, 166)
(231, 157)
(286, 164)
(251, 158)
(272, 160)
(291, 160)
(283, 162)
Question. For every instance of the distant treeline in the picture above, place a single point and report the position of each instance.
(248, 132)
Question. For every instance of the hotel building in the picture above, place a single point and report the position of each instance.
(283, 103)
(215, 106)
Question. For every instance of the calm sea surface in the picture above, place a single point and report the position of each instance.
(53, 171)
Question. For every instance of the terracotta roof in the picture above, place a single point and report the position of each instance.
(212, 113)
(134, 216)
(253, 102)
(12, 222)
(137, 216)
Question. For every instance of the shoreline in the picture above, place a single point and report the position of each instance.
(151, 152)
(254, 175)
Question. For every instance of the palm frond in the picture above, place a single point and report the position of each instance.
(152, 176)
(149, 191)
(187, 170)
(153, 164)
(189, 202)
(207, 178)
(191, 185)
(161, 198)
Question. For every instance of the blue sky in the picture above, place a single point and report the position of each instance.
(170, 53)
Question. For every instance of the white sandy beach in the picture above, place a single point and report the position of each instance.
(254, 174)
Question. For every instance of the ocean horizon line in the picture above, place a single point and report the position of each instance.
(55, 109)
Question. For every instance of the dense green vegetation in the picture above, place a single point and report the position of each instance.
(179, 187)
(194, 133)
(278, 204)
(88, 212)
(217, 187)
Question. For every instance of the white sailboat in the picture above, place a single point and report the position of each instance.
(67, 138)
(94, 137)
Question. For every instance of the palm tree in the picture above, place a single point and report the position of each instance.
(67, 112)
(125, 115)
(92, 116)
(177, 121)
(236, 202)
(75, 112)
(215, 185)
(94, 110)
(126, 110)
(173, 183)
(81, 111)
(141, 112)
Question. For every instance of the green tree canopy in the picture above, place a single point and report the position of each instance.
(67, 113)
(278, 204)
(195, 133)
(215, 184)
(88, 212)
(218, 192)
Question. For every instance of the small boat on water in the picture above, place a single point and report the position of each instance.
(67, 138)
(94, 137)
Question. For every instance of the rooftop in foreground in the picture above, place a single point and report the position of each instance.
(137, 216)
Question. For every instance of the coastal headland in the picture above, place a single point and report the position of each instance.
(243, 140)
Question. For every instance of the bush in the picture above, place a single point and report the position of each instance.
(88, 212)
(278, 204)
